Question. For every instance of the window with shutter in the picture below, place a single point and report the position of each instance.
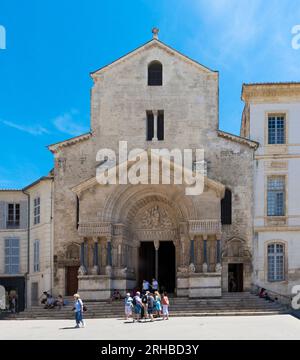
(36, 257)
(13, 216)
(37, 210)
(12, 256)
(275, 262)
(276, 196)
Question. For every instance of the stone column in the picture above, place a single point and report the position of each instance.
(95, 270)
(218, 254)
(155, 115)
(109, 257)
(119, 256)
(156, 246)
(192, 251)
(205, 255)
(82, 269)
(181, 251)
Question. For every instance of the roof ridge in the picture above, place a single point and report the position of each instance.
(132, 52)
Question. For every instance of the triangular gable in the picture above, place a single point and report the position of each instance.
(216, 186)
(147, 45)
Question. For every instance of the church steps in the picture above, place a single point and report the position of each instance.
(229, 305)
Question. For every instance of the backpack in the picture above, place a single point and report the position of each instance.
(150, 302)
(134, 301)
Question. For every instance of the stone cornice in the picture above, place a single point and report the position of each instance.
(239, 139)
(276, 228)
(54, 148)
(271, 92)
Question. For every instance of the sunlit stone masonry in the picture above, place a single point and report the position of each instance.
(241, 231)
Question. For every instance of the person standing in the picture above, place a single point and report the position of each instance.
(157, 303)
(150, 305)
(165, 305)
(145, 305)
(146, 286)
(128, 306)
(78, 308)
(154, 285)
(137, 303)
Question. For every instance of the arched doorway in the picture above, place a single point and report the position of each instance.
(155, 228)
(159, 264)
(236, 260)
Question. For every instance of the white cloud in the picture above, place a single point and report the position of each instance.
(67, 124)
(33, 129)
(251, 37)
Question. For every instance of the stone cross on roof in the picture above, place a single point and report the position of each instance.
(155, 32)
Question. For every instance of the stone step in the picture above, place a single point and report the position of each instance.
(174, 314)
(229, 304)
(179, 302)
(173, 309)
(173, 306)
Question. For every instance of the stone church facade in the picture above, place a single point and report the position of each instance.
(105, 237)
(108, 232)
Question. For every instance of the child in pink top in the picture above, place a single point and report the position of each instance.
(165, 305)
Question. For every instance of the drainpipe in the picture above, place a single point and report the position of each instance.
(28, 247)
(51, 240)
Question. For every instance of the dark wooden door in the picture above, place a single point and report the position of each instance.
(235, 277)
(72, 280)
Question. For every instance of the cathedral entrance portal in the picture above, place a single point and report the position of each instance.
(158, 264)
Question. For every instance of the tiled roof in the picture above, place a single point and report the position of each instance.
(56, 146)
(239, 139)
(272, 83)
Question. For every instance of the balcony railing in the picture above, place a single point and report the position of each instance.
(95, 228)
(205, 227)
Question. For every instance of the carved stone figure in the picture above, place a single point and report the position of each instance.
(192, 268)
(82, 270)
(155, 217)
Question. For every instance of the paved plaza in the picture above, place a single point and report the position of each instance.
(187, 328)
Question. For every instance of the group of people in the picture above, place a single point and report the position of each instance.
(50, 302)
(146, 306)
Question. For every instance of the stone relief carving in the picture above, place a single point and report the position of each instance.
(155, 217)
(236, 247)
(183, 269)
(72, 252)
(82, 270)
(192, 268)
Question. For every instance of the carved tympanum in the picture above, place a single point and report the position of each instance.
(155, 217)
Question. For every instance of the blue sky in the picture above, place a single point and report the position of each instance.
(52, 46)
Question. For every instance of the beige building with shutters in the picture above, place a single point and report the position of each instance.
(26, 253)
(271, 117)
